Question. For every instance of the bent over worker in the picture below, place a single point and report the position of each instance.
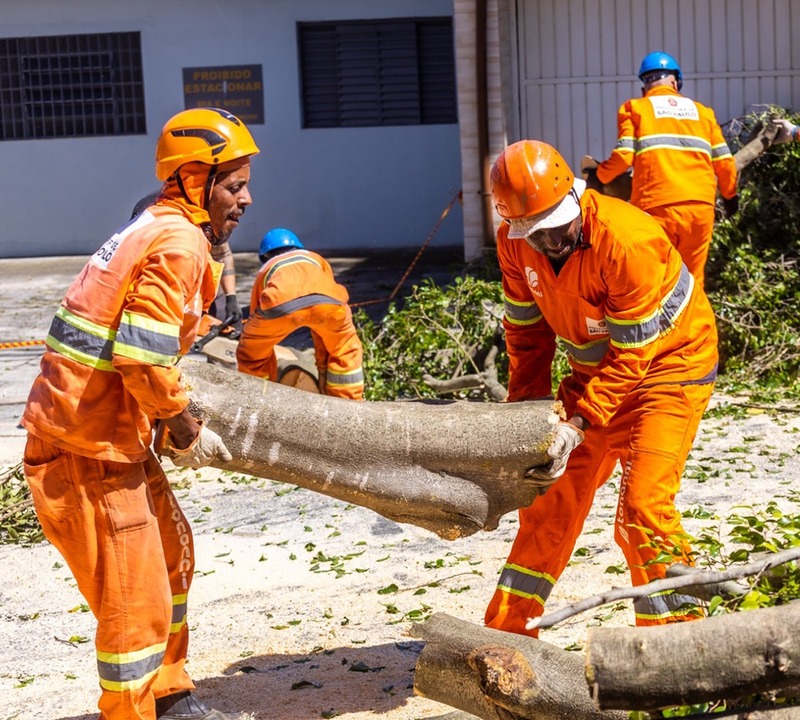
(679, 157)
(295, 288)
(601, 276)
(107, 375)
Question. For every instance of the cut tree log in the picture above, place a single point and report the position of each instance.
(451, 467)
(497, 675)
(728, 656)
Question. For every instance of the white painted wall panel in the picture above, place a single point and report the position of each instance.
(338, 188)
(578, 59)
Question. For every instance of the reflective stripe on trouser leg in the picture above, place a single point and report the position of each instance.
(99, 516)
(546, 536)
(662, 422)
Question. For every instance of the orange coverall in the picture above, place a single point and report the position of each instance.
(102, 498)
(679, 155)
(297, 289)
(642, 346)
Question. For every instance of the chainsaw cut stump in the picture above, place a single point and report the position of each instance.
(501, 676)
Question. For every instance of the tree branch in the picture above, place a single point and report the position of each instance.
(700, 578)
(487, 379)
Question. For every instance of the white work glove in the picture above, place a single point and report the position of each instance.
(785, 131)
(566, 439)
(205, 448)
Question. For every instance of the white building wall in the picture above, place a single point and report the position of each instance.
(338, 188)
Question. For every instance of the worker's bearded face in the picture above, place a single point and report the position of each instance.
(557, 243)
(228, 201)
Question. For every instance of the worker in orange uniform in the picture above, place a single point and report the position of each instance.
(295, 288)
(679, 156)
(226, 304)
(107, 375)
(602, 277)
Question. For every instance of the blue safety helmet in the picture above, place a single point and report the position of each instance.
(655, 61)
(279, 238)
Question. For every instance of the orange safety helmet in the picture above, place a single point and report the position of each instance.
(529, 178)
(207, 135)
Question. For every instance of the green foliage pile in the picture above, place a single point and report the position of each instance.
(18, 522)
(753, 272)
(442, 331)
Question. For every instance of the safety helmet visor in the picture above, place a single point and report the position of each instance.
(563, 213)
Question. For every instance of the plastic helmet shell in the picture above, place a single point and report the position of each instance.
(207, 135)
(660, 61)
(528, 178)
(279, 238)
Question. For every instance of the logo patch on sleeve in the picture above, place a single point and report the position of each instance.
(596, 327)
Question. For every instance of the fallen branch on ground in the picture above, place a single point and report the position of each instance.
(674, 583)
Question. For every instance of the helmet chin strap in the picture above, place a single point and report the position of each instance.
(208, 231)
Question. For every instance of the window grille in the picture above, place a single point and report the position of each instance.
(377, 72)
(68, 86)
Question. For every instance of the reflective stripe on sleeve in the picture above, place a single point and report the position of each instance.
(81, 340)
(147, 340)
(625, 143)
(128, 671)
(526, 583)
(521, 313)
(290, 306)
(718, 152)
(638, 333)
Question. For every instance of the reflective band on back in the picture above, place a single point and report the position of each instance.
(81, 340)
(673, 142)
(125, 671)
(526, 583)
(518, 313)
(300, 303)
(151, 341)
(288, 261)
(638, 333)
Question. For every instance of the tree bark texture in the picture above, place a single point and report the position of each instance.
(727, 656)
(451, 467)
(497, 675)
